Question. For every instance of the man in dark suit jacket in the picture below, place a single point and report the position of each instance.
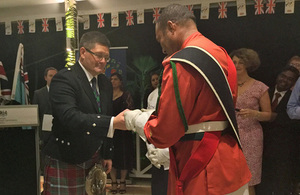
(41, 98)
(278, 137)
(82, 124)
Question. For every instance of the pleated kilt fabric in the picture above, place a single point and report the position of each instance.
(66, 179)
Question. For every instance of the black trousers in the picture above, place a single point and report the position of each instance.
(159, 181)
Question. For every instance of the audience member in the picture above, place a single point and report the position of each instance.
(253, 105)
(123, 140)
(81, 100)
(41, 98)
(190, 119)
(152, 85)
(279, 138)
(293, 110)
(295, 61)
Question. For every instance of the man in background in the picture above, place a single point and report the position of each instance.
(41, 98)
(279, 142)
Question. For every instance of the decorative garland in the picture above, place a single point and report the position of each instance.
(71, 34)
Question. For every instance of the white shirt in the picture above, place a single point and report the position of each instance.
(89, 76)
(281, 93)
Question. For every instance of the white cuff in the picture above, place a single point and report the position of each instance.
(111, 131)
(141, 121)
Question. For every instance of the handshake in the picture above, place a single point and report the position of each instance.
(134, 120)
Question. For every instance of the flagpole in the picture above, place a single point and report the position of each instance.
(71, 31)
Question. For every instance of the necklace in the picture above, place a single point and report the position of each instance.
(241, 84)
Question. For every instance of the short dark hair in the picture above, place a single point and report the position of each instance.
(249, 57)
(47, 70)
(89, 39)
(176, 13)
(292, 69)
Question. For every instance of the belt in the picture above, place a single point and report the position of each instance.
(207, 126)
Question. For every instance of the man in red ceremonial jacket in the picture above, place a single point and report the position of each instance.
(206, 160)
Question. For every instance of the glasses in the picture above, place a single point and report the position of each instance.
(99, 56)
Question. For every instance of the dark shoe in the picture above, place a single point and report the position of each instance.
(114, 187)
(122, 189)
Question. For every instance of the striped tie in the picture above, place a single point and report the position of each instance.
(275, 102)
(96, 93)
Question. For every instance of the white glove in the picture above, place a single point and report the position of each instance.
(136, 119)
(130, 118)
(158, 156)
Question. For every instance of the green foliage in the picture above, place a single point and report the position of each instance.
(141, 66)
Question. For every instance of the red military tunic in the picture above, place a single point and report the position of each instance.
(227, 171)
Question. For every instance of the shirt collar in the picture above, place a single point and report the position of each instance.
(281, 93)
(89, 76)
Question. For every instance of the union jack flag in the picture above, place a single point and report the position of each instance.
(270, 7)
(129, 18)
(100, 20)
(259, 7)
(190, 7)
(222, 10)
(5, 91)
(45, 25)
(20, 88)
(156, 14)
(20, 27)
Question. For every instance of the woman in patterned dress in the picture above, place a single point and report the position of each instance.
(253, 105)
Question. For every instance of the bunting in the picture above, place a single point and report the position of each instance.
(156, 14)
(20, 27)
(59, 24)
(222, 10)
(190, 7)
(241, 8)
(129, 18)
(259, 7)
(86, 22)
(31, 26)
(100, 20)
(204, 14)
(270, 7)
(289, 6)
(45, 25)
(140, 16)
(8, 30)
(115, 19)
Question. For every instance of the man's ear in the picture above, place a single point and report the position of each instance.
(81, 51)
(171, 26)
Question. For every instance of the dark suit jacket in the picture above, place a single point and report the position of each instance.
(78, 128)
(41, 98)
(279, 130)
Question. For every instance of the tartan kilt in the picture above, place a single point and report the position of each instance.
(66, 179)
